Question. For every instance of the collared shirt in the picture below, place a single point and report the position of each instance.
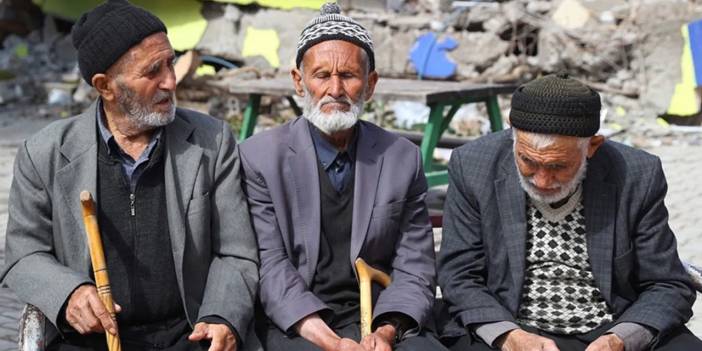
(338, 165)
(132, 168)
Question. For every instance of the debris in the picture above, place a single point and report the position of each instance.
(571, 14)
(409, 113)
(59, 97)
(263, 42)
(186, 65)
(429, 56)
(479, 49)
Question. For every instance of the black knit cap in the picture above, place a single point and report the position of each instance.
(556, 104)
(331, 25)
(103, 34)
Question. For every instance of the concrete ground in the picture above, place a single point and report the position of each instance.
(682, 164)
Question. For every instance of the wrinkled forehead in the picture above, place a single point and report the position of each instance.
(546, 145)
(335, 52)
(154, 48)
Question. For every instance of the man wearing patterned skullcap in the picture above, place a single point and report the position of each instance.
(179, 246)
(327, 189)
(556, 239)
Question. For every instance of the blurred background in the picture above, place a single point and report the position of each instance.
(643, 56)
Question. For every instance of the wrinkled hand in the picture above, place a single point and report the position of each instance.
(87, 314)
(221, 337)
(345, 344)
(520, 340)
(380, 340)
(607, 342)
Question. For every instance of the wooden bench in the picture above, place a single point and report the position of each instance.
(443, 99)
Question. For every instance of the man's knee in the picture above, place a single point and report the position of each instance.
(680, 340)
(420, 342)
(465, 343)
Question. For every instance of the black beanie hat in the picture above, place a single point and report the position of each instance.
(102, 35)
(556, 104)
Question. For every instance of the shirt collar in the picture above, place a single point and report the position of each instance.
(326, 152)
(109, 139)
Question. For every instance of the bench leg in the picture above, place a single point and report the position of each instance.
(493, 108)
(432, 134)
(250, 117)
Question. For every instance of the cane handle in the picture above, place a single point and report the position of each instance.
(367, 275)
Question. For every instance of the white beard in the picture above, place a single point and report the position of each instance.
(565, 189)
(336, 120)
(141, 114)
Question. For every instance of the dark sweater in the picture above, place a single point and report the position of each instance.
(135, 234)
(334, 280)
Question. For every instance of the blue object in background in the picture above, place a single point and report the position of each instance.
(694, 30)
(429, 57)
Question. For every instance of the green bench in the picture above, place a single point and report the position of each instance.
(443, 99)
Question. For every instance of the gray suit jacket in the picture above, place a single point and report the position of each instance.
(390, 229)
(631, 249)
(214, 247)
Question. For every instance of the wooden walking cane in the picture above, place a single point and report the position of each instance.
(97, 256)
(366, 275)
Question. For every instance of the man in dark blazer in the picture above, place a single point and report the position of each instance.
(555, 239)
(326, 189)
(180, 250)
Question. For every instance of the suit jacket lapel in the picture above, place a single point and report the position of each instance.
(511, 203)
(600, 205)
(80, 149)
(368, 165)
(181, 167)
(302, 162)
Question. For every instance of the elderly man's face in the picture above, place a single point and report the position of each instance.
(335, 82)
(550, 174)
(145, 82)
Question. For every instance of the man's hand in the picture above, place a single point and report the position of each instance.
(607, 342)
(520, 340)
(345, 344)
(221, 337)
(86, 313)
(382, 339)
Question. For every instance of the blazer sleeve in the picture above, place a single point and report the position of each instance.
(31, 270)
(413, 267)
(285, 297)
(232, 279)
(462, 262)
(665, 293)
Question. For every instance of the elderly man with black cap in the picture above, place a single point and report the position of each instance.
(174, 222)
(557, 239)
(326, 189)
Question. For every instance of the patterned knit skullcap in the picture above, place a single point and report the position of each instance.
(102, 35)
(331, 25)
(556, 104)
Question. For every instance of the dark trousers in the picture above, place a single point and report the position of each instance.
(274, 339)
(679, 340)
(168, 336)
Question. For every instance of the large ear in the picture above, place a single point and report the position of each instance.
(101, 83)
(372, 81)
(595, 143)
(296, 75)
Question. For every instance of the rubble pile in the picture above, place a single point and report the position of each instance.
(629, 50)
(38, 66)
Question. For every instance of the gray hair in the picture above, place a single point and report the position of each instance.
(542, 141)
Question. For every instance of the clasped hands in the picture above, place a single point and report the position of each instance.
(86, 314)
(520, 340)
(314, 329)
